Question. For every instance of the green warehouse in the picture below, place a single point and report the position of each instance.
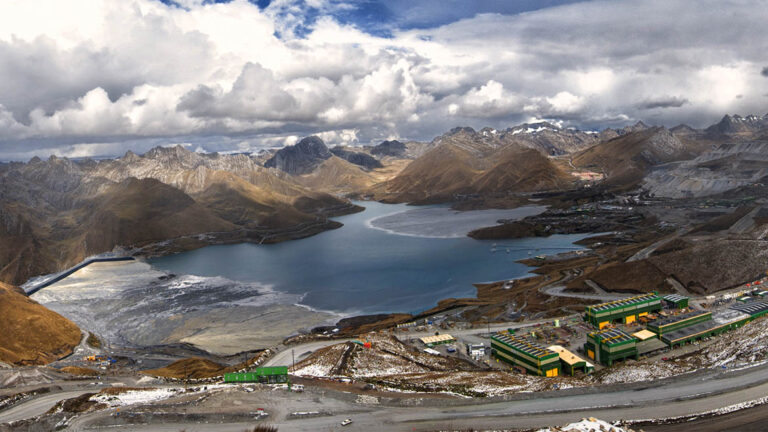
(721, 322)
(628, 310)
(677, 322)
(675, 301)
(608, 346)
(264, 375)
(534, 358)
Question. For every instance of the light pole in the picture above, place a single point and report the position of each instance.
(293, 362)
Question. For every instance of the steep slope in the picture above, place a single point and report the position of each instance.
(136, 212)
(56, 212)
(521, 170)
(338, 176)
(738, 127)
(392, 148)
(357, 158)
(301, 158)
(465, 162)
(546, 138)
(32, 334)
(626, 159)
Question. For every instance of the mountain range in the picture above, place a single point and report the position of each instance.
(56, 212)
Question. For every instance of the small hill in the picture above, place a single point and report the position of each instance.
(190, 368)
(32, 334)
(81, 371)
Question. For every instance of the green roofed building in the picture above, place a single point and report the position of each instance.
(264, 375)
(628, 310)
(676, 301)
(607, 346)
(676, 322)
(722, 321)
(753, 309)
(532, 357)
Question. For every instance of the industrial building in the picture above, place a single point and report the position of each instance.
(676, 322)
(431, 341)
(753, 309)
(264, 375)
(570, 362)
(533, 358)
(608, 346)
(675, 301)
(719, 322)
(628, 310)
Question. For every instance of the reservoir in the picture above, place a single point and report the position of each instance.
(225, 299)
(388, 258)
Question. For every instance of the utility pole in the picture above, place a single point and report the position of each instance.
(293, 361)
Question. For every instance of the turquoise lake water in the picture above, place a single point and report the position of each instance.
(368, 267)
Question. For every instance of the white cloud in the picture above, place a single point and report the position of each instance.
(107, 70)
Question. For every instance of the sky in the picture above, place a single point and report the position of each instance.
(99, 77)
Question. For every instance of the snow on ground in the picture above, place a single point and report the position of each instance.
(477, 383)
(133, 397)
(640, 371)
(150, 395)
(587, 425)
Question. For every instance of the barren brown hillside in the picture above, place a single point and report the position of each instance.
(31, 334)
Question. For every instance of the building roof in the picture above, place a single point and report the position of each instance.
(677, 318)
(726, 316)
(675, 298)
(530, 348)
(445, 337)
(566, 356)
(644, 335)
(751, 308)
(611, 337)
(718, 320)
(623, 302)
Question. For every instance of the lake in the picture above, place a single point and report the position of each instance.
(389, 258)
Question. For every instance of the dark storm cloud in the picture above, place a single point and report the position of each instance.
(664, 102)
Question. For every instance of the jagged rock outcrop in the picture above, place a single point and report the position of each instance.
(738, 126)
(392, 148)
(301, 158)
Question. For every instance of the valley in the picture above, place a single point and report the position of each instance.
(300, 256)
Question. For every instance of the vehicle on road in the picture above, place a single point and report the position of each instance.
(346, 422)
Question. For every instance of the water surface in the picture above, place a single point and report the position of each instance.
(376, 263)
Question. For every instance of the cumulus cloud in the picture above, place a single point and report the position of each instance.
(115, 74)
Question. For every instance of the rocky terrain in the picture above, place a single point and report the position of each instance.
(57, 212)
(721, 169)
(466, 163)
